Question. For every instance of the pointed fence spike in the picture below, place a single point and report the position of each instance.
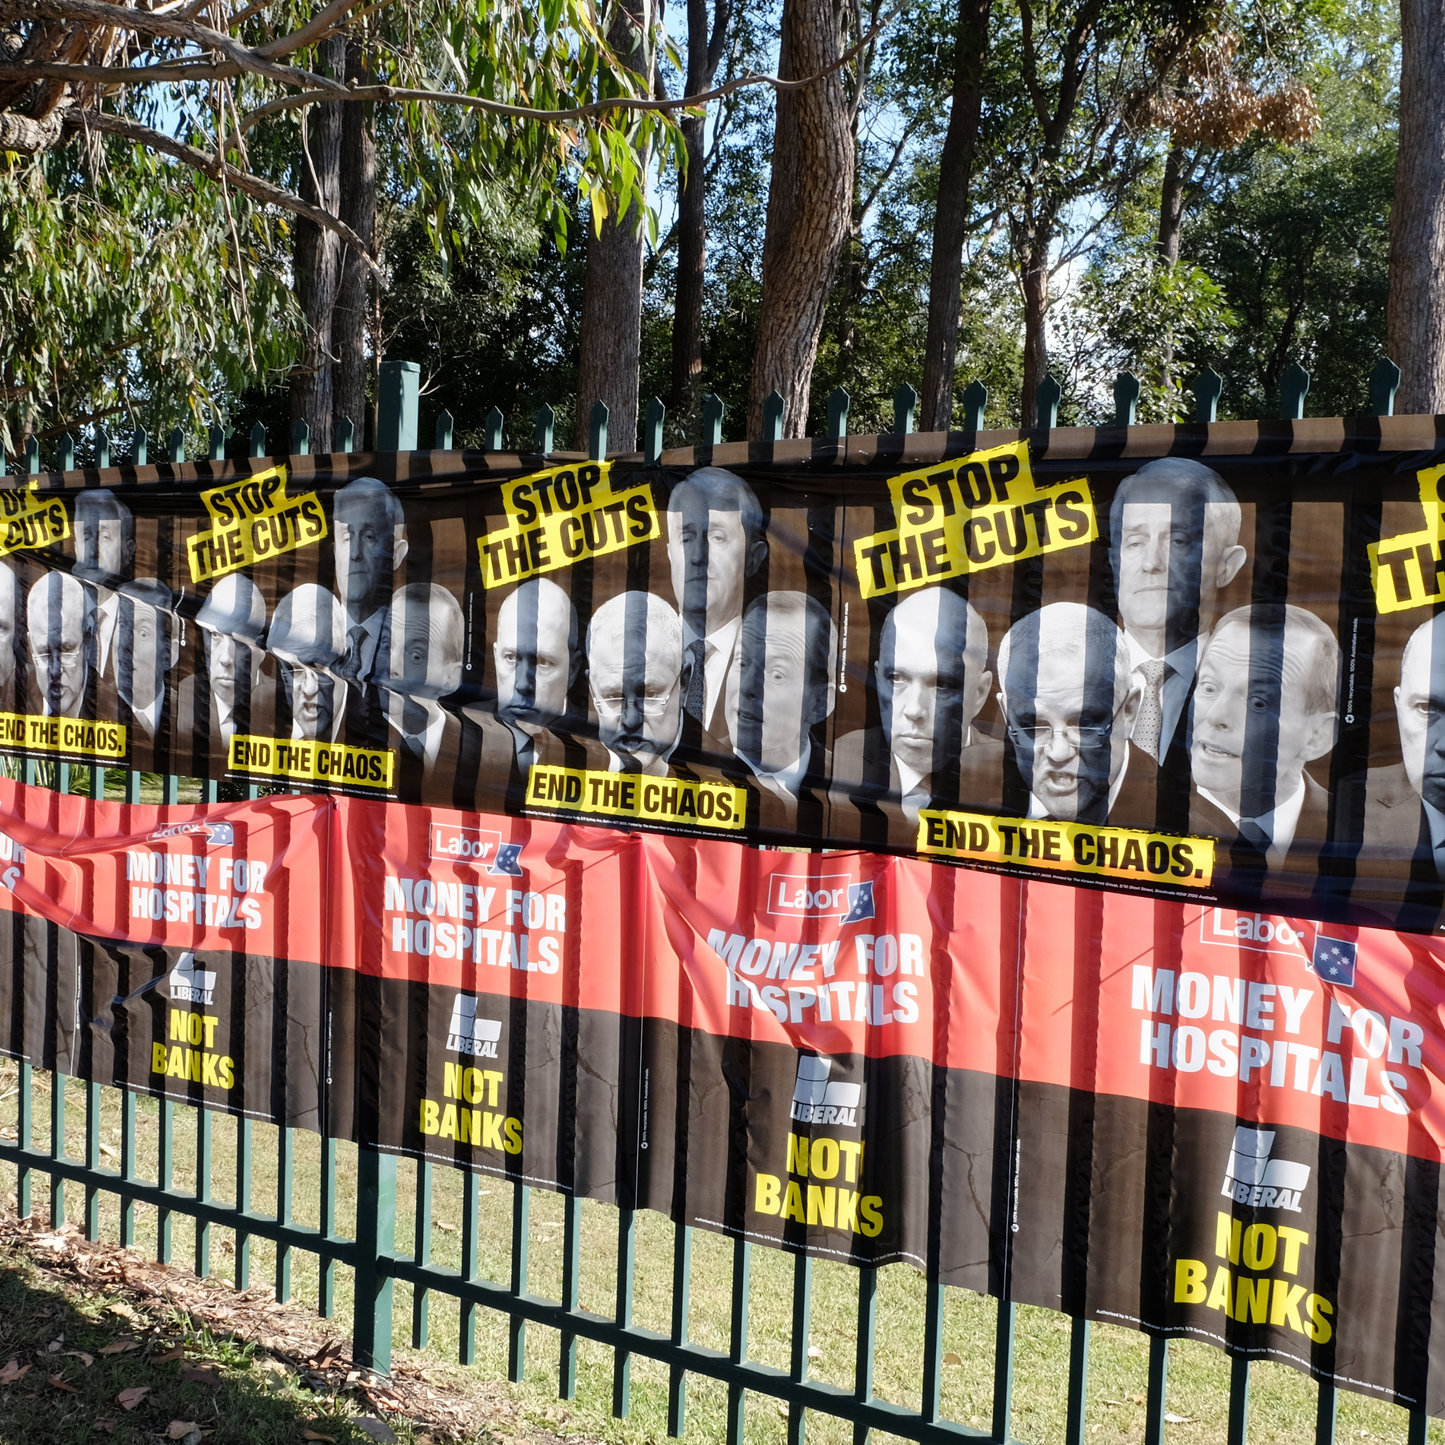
(546, 420)
(32, 455)
(905, 404)
(652, 424)
(216, 437)
(975, 403)
(102, 447)
(301, 438)
(1294, 385)
(345, 439)
(446, 424)
(492, 430)
(1384, 383)
(713, 410)
(397, 406)
(838, 404)
(775, 411)
(67, 453)
(258, 440)
(176, 446)
(1207, 387)
(140, 447)
(1126, 398)
(597, 431)
(1046, 400)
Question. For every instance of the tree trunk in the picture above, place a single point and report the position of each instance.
(1416, 315)
(318, 257)
(809, 201)
(1171, 205)
(702, 62)
(1034, 268)
(950, 220)
(610, 346)
(358, 210)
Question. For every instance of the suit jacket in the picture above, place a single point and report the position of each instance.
(864, 806)
(1395, 821)
(198, 733)
(777, 811)
(431, 783)
(1235, 860)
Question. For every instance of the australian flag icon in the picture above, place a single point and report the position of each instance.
(1334, 960)
(508, 859)
(860, 902)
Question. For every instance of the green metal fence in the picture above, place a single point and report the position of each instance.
(379, 1261)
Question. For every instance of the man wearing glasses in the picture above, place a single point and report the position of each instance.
(308, 639)
(61, 618)
(1070, 700)
(634, 673)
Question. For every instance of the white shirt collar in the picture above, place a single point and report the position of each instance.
(910, 780)
(435, 726)
(1280, 824)
(787, 780)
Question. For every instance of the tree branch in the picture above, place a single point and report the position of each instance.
(218, 170)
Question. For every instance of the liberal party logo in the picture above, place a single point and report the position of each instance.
(190, 984)
(215, 835)
(1334, 961)
(468, 1034)
(820, 895)
(816, 1100)
(1252, 1177)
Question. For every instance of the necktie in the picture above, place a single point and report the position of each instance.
(1151, 713)
(1251, 831)
(413, 728)
(696, 698)
(351, 663)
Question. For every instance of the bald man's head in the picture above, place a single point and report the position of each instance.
(536, 654)
(60, 613)
(427, 637)
(11, 622)
(1420, 710)
(634, 669)
(933, 677)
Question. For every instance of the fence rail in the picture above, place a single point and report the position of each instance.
(372, 1254)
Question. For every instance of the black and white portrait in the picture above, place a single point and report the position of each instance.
(308, 640)
(369, 538)
(635, 676)
(61, 622)
(104, 530)
(148, 646)
(427, 633)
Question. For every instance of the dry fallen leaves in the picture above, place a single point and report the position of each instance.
(119, 1347)
(175, 1354)
(107, 1425)
(203, 1375)
(317, 1435)
(952, 1359)
(61, 1385)
(85, 1359)
(129, 1399)
(1172, 1419)
(179, 1429)
(13, 1372)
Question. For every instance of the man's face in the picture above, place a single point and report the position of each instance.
(769, 706)
(60, 648)
(150, 655)
(312, 695)
(100, 548)
(1420, 712)
(639, 708)
(420, 666)
(534, 663)
(1226, 697)
(7, 628)
(928, 692)
(366, 555)
(228, 658)
(1068, 759)
(707, 552)
(1162, 545)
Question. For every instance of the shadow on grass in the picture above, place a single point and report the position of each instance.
(48, 1332)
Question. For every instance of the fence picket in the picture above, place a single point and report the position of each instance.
(571, 1281)
(471, 1208)
(621, 1355)
(681, 1323)
(421, 1252)
(517, 1323)
(203, 1191)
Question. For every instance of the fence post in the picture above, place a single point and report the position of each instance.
(492, 430)
(712, 419)
(345, 439)
(838, 404)
(446, 424)
(258, 440)
(176, 446)
(396, 412)
(1384, 382)
(975, 403)
(67, 453)
(375, 1240)
(905, 403)
(301, 438)
(775, 411)
(216, 436)
(597, 431)
(102, 447)
(32, 455)
(1126, 398)
(546, 420)
(1207, 387)
(652, 423)
(1294, 384)
(139, 447)
(1046, 399)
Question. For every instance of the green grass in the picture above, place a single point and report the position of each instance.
(1282, 1402)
